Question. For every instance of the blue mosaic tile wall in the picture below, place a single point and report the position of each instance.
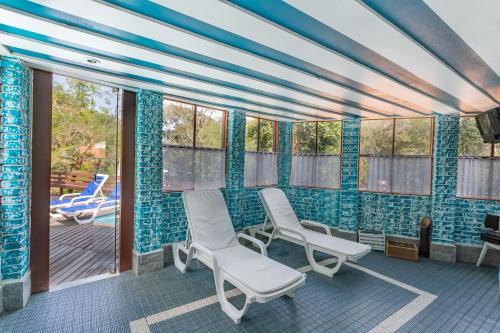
(444, 178)
(235, 166)
(15, 160)
(470, 216)
(348, 205)
(149, 170)
(398, 215)
(284, 153)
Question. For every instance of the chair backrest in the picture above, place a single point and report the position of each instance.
(95, 185)
(115, 195)
(278, 208)
(208, 218)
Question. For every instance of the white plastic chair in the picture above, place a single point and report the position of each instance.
(212, 240)
(287, 227)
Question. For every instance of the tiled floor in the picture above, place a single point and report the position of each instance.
(353, 301)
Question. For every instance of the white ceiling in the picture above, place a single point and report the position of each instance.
(315, 60)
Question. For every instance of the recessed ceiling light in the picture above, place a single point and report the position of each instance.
(93, 61)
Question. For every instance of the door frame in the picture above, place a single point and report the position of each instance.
(40, 182)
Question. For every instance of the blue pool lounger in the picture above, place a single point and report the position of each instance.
(93, 189)
(288, 227)
(93, 207)
(212, 240)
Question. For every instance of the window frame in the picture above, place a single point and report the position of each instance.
(316, 152)
(393, 155)
(274, 150)
(492, 157)
(193, 146)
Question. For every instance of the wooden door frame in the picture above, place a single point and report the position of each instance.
(40, 182)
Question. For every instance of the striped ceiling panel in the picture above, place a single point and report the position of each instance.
(289, 60)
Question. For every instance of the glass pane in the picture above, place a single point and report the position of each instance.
(470, 142)
(85, 181)
(209, 168)
(209, 127)
(329, 137)
(495, 185)
(178, 123)
(376, 137)
(251, 133)
(178, 168)
(251, 169)
(497, 150)
(412, 175)
(304, 138)
(267, 169)
(413, 136)
(266, 135)
(473, 177)
(303, 170)
(328, 171)
(375, 173)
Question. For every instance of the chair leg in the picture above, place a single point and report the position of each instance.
(483, 253)
(176, 247)
(323, 269)
(227, 307)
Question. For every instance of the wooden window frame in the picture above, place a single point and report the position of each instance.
(393, 155)
(490, 157)
(274, 149)
(193, 146)
(292, 148)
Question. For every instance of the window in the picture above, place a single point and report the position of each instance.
(316, 154)
(193, 147)
(478, 164)
(261, 160)
(395, 155)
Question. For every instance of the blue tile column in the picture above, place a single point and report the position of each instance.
(148, 215)
(284, 153)
(444, 187)
(15, 161)
(348, 205)
(235, 166)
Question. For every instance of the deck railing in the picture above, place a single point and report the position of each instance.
(69, 182)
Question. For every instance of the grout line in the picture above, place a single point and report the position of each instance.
(390, 324)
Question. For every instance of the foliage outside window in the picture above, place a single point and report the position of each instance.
(193, 147)
(316, 154)
(261, 161)
(395, 155)
(478, 174)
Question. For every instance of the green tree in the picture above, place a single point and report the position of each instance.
(84, 123)
(470, 142)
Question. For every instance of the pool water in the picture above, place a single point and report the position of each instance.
(107, 220)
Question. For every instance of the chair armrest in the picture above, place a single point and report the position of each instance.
(317, 224)
(280, 229)
(80, 197)
(69, 195)
(200, 248)
(254, 240)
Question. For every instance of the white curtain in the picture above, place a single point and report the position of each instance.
(315, 171)
(399, 174)
(188, 168)
(261, 169)
(478, 177)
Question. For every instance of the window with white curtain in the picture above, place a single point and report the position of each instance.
(478, 174)
(261, 159)
(193, 147)
(396, 156)
(316, 148)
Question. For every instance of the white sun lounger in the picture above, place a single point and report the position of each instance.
(211, 239)
(287, 227)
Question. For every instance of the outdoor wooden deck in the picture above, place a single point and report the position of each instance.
(81, 251)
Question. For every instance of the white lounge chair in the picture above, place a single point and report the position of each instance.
(287, 227)
(212, 240)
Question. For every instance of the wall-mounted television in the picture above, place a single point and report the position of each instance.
(488, 123)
